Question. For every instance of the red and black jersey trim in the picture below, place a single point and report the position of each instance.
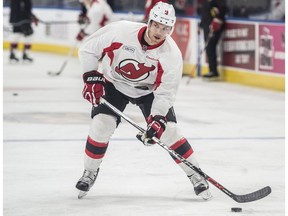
(158, 80)
(94, 149)
(14, 45)
(110, 50)
(183, 148)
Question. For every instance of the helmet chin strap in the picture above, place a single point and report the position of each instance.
(147, 35)
(171, 31)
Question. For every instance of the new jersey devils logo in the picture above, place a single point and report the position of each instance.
(132, 70)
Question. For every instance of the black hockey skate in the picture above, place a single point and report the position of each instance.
(26, 58)
(86, 182)
(201, 186)
(211, 77)
(13, 58)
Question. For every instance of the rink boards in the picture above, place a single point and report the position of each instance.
(252, 53)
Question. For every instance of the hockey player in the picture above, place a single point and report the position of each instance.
(21, 18)
(95, 14)
(141, 64)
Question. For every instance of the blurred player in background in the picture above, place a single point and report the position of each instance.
(94, 15)
(21, 17)
(278, 11)
(212, 22)
(180, 6)
(142, 65)
(148, 6)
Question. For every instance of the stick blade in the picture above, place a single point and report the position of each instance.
(50, 73)
(259, 194)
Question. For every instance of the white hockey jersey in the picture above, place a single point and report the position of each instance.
(99, 14)
(134, 69)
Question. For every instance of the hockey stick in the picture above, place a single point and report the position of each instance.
(259, 194)
(69, 55)
(25, 21)
(191, 75)
(58, 22)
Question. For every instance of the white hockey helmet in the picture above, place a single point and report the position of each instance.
(163, 13)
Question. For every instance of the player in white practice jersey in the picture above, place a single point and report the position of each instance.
(95, 14)
(141, 64)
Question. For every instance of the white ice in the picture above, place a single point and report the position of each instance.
(237, 133)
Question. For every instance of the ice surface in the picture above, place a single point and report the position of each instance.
(237, 133)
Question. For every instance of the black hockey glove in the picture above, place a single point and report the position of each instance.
(83, 19)
(34, 19)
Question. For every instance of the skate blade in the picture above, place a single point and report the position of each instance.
(82, 194)
(27, 62)
(206, 195)
(13, 61)
(211, 79)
